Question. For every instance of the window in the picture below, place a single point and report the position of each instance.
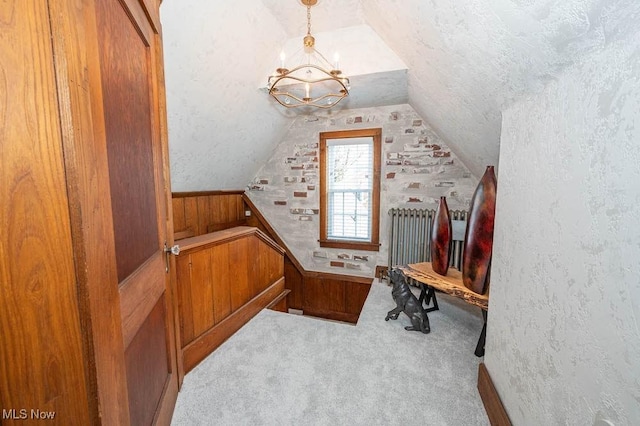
(350, 189)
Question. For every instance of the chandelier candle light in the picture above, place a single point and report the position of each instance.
(315, 83)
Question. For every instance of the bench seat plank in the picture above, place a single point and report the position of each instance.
(450, 284)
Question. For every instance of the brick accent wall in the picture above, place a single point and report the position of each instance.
(417, 168)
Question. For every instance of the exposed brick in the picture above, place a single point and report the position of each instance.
(417, 123)
(445, 185)
(388, 139)
(414, 185)
(263, 181)
(304, 211)
(300, 194)
(290, 179)
(350, 265)
(391, 175)
(414, 200)
(361, 258)
(441, 154)
(298, 167)
(358, 119)
(305, 218)
(344, 256)
(280, 203)
(408, 131)
(337, 264)
(393, 116)
(311, 187)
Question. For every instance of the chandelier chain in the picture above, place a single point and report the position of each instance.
(308, 20)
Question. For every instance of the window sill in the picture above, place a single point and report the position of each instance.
(350, 245)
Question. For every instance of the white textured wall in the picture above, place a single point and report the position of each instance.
(417, 168)
(563, 340)
(221, 127)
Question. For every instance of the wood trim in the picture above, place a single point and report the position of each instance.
(76, 56)
(374, 244)
(221, 237)
(492, 404)
(197, 350)
(279, 302)
(349, 245)
(329, 276)
(206, 193)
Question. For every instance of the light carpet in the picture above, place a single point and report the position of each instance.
(283, 369)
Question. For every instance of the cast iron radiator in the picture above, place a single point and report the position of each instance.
(410, 236)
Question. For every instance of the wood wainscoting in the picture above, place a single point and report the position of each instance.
(332, 296)
(224, 279)
(198, 213)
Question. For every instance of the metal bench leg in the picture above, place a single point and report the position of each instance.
(428, 295)
(480, 346)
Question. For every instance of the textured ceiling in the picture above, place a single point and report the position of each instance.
(464, 62)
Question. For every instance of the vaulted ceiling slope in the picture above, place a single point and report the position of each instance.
(466, 61)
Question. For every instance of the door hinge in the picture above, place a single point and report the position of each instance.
(174, 250)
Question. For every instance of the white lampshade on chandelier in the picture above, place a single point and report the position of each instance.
(315, 82)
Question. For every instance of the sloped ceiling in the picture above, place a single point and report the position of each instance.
(465, 62)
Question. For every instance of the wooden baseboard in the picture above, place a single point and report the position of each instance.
(197, 350)
(490, 398)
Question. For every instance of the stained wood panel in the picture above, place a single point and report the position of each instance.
(202, 311)
(42, 361)
(146, 360)
(207, 211)
(224, 278)
(324, 294)
(293, 282)
(223, 275)
(332, 296)
(355, 296)
(239, 257)
(125, 82)
(129, 48)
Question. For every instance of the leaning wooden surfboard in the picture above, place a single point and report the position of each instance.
(478, 240)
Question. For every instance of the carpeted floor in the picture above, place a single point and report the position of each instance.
(283, 369)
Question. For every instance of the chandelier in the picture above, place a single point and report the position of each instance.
(314, 83)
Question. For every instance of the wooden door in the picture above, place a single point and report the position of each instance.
(130, 66)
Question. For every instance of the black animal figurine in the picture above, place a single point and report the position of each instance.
(407, 302)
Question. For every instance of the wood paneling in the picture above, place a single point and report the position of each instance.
(331, 296)
(206, 211)
(492, 404)
(129, 49)
(335, 296)
(75, 44)
(43, 359)
(61, 322)
(146, 360)
(293, 282)
(224, 278)
(125, 81)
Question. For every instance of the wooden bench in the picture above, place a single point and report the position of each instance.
(450, 284)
